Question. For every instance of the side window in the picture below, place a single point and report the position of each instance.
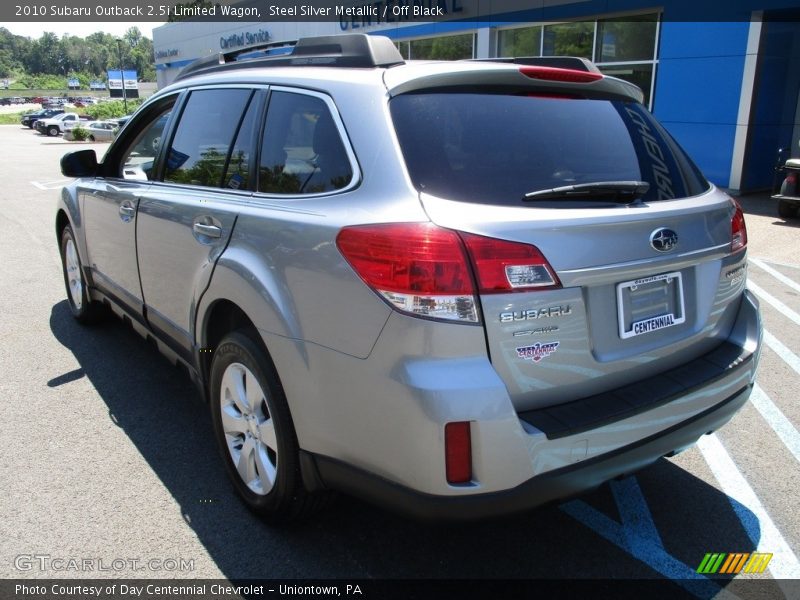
(139, 157)
(302, 152)
(237, 174)
(203, 139)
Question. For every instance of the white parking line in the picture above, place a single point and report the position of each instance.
(770, 299)
(50, 185)
(782, 264)
(776, 274)
(752, 514)
(776, 420)
(789, 357)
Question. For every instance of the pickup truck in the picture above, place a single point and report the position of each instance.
(55, 125)
(31, 118)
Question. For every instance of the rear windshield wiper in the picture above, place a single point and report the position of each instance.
(623, 192)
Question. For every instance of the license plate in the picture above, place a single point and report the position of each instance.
(650, 304)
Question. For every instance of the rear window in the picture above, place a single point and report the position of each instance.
(495, 148)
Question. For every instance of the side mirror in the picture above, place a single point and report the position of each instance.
(81, 163)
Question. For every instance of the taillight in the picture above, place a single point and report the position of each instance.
(738, 229)
(458, 452)
(565, 75)
(419, 268)
(427, 271)
(503, 266)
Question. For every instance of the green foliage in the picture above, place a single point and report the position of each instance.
(43, 82)
(10, 118)
(111, 110)
(87, 58)
(79, 134)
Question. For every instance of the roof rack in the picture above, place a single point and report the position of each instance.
(557, 62)
(355, 50)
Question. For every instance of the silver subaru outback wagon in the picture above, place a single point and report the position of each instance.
(456, 289)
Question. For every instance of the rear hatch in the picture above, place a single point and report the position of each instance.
(633, 274)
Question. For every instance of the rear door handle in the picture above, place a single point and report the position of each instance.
(211, 231)
(127, 211)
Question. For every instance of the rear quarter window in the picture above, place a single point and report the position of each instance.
(302, 151)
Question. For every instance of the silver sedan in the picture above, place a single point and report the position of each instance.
(99, 131)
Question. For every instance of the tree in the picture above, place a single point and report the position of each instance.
(49, 59)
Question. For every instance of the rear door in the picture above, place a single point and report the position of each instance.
(186, 218)
(626, 287)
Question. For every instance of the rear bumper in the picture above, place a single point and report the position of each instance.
(550, 486)
(790, 199)
(543, 467)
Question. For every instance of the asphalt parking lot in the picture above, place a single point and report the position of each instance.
(108, 454)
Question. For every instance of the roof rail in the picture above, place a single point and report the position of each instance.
(355, 50)
(556, 62)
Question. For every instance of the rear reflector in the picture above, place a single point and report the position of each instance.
(458, 452)
(565, 75)
(738, 229)
(502, 266)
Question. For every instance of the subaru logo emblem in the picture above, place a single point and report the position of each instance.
(663, 239)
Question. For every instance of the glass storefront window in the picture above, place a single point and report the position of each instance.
(623, 47)
(526, 41)
(451, 47)
(568, 39)
(641, 75)
(631, 39)
(404, 48)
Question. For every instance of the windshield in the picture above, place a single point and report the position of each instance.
(496, 148)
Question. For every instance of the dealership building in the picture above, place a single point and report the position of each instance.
(725, 84)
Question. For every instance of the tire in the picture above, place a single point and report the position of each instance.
(254, 432)
(52, 131)
(786, 209)
(91, 138)
(83, 309)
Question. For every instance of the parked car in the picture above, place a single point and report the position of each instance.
(787, 187)
(54, 103)
(29, 119)
(97, 131)
(456, 289)
(55, 125)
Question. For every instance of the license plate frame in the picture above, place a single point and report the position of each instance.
(655, 322)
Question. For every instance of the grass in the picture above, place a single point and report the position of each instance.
(10, 118)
